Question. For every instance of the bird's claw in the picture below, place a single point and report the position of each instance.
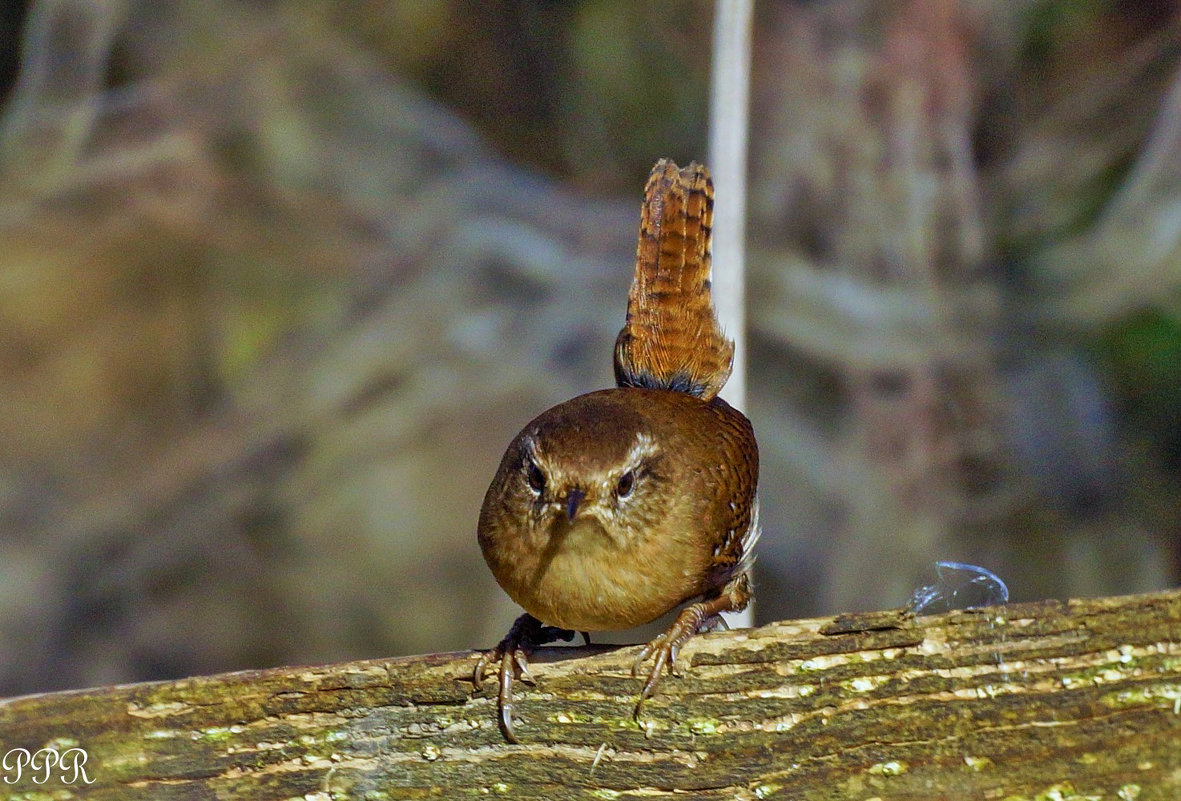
(521, 666)
(512, 653)
(663, 650)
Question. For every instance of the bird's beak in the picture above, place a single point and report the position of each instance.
(573, 498)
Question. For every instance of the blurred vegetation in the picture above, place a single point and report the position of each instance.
(278, 282)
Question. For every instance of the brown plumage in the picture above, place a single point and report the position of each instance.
(672, 339)
(613, 508)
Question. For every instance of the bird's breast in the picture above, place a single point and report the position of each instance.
(595, 588)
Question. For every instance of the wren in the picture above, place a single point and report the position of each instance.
(615, 507)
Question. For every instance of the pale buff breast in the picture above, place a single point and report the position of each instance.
(595, 588)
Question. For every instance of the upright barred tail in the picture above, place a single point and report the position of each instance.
(672, 339)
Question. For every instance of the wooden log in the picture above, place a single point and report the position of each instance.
(1049, 700)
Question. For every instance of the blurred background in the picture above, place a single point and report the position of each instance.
(280, 280)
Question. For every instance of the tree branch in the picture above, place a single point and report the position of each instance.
(1080, 698)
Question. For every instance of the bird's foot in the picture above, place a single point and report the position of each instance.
(664, 648)
(693, 619)
(526, 634)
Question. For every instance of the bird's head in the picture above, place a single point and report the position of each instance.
(582, 478)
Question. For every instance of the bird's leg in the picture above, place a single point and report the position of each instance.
(513, 652)
(693, 618)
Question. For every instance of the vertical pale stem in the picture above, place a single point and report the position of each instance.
(729, 101)
(727, 162)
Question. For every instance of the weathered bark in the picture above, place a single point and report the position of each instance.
(1048, 700)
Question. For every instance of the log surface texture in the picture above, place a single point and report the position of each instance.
(1050, 700)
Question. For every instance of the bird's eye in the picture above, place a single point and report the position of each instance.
(623, 487)
(535, 477)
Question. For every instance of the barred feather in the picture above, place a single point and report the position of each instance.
(672, 339)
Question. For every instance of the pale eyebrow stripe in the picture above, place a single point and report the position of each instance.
(643, 448)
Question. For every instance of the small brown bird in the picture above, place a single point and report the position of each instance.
(615, 507)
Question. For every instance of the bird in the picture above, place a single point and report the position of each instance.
(619, 505)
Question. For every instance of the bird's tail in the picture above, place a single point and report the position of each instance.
(672, 339)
